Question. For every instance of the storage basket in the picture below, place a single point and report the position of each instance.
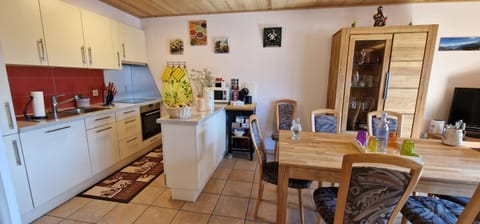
(179, 112)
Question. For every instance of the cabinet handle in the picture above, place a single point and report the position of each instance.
(41, 50)
(17, 153)
(118, 59)
(130, 121)
(103, 118)
(9, 115)
(151, 113)
(90, 55)
(130, 111)
(58, 129)
(385, 90)
(104, 129)
(123, 48)
(82, 49)
(131, 140)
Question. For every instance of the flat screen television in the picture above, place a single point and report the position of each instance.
(466, 106)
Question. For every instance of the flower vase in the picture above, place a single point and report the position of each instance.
(201, 104)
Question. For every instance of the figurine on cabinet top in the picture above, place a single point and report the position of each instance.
(380, 19)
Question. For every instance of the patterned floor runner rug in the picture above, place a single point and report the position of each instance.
(126, 183)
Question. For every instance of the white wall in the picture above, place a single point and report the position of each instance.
(299, 69)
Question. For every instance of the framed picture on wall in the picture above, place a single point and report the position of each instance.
(176, 46)
(221, 45)
(198, 32)
(272, 37)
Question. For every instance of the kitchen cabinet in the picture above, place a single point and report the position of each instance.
(16, 164)
(132, 42)
(21, 33)
(129, 131)
(98, 40)
(62, 27)
(102, 142)
(381, 68)
(56, 159)
(237, 119)
(8, 124)
(115, 44)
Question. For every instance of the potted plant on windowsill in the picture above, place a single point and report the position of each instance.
(177, 93)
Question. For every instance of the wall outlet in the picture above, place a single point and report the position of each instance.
(95, 92)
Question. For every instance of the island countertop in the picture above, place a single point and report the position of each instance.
(196, 118)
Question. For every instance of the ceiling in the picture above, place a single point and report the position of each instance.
(159, 8)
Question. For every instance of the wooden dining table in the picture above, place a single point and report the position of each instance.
(318, 156)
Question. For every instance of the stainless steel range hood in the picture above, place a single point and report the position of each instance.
(134, 83)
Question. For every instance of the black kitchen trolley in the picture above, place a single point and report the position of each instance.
(237, 129)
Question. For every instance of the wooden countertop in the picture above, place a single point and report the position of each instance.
(249, 107)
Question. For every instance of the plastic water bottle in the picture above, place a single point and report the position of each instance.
(296, 128)
(381, 133)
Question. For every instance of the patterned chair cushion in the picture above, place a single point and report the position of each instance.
(424, 210)
(372, 196)
(463, 201)
(392, 124)
(275, 136)
(270, 175)
(258, 141)
(325, 199)
(326, 123)
(285, 116)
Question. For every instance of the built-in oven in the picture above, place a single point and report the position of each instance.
(149, 114)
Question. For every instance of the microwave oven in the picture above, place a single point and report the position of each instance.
(221, 94)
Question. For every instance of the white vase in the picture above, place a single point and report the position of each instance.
(201, 104)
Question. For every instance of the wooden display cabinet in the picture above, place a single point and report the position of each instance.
(381, 68)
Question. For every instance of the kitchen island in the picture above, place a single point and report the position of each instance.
(192, 150)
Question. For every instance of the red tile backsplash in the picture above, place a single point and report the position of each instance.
(53, 81)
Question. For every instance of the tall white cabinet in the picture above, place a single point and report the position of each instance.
(21, 33)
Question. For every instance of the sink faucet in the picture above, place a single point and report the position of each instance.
(55, 104)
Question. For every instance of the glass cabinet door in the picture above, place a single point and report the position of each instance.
(367, 66)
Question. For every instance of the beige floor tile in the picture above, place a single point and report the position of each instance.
(242, 175)
(238, 189)
(205, 203)
(243, 164)
(231, 207)
(123, 214)
(267, 211)
(214, 186)
(159, 181)
(223, 220)
(222, 173)
(227, 163)
(157, 215)
(148, 195)
(186, 217)
(93, 211)
(47, 220)
(67, 221)
(69, 207)
(269, 192)
(165, 200)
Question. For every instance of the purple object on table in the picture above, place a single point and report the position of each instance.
(362, 137)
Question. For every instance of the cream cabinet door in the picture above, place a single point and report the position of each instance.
(98, 40)
(21, 32)
(132, 41)
(56, 158)
(116, 44)
(62, 26)
(8, 125)
(103, 147)
(16, 163)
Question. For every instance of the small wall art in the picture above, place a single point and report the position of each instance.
(459, 44)
(272, 37)
(221, 45)
(176, 46)
(198, 32)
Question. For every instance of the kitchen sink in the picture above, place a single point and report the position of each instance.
(75, 111)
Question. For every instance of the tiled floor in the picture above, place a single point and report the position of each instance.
(229, 197)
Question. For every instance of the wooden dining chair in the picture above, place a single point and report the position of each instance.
(394, 118)
(285, 113)
(325, 120)
(268, 171)
(368, 192)
(421, 209)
